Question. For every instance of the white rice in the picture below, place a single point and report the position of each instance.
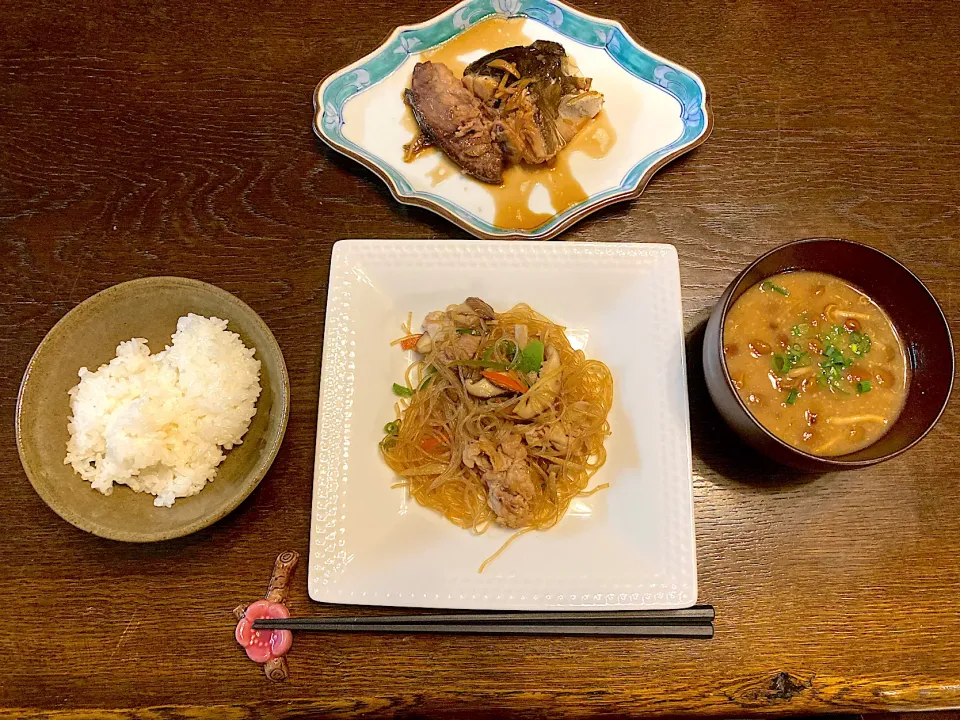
(160, 423)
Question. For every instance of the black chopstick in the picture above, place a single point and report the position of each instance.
(661, 629)
(687, 622)
(696, 614)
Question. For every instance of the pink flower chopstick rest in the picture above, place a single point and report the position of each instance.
(263, 645)
(268, 647)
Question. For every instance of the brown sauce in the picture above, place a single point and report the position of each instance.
(512, 198)
(484, 37)
(410, 123)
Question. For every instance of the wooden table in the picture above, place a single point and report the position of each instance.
(163, 137)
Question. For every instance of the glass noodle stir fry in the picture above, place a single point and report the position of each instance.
(500, 419)
(816, 361)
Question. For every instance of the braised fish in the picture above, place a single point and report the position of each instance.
(452, 117)
(537, 94)
(518, 104)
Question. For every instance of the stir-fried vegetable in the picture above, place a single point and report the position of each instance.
(410, 342)
(432, 443)
(508, 348)
(506, 380)
(531, 357)
(402, 391)
(431, 371)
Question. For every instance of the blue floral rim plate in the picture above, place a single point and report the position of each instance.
(670, 111)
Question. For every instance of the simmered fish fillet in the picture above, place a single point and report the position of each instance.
(518, 104)
(538, 95)
(452, 117)
(575, 111)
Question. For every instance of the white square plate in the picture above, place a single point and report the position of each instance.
(631, 546)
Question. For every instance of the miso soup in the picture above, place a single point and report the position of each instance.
(816, 361)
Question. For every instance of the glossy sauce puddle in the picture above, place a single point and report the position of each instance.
(512, 198)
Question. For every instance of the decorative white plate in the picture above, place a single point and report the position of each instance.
(631, 546)
(657, 109)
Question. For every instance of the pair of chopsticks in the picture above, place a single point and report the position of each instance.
(694, 622)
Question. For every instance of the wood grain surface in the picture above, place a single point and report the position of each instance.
(149, 137)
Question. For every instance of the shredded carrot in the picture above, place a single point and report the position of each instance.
(505, 380)
(432, 443)
(401, 341)
(410, 342)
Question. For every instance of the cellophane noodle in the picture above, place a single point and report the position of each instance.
(442, 409)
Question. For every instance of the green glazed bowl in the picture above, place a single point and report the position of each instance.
(87, 336)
